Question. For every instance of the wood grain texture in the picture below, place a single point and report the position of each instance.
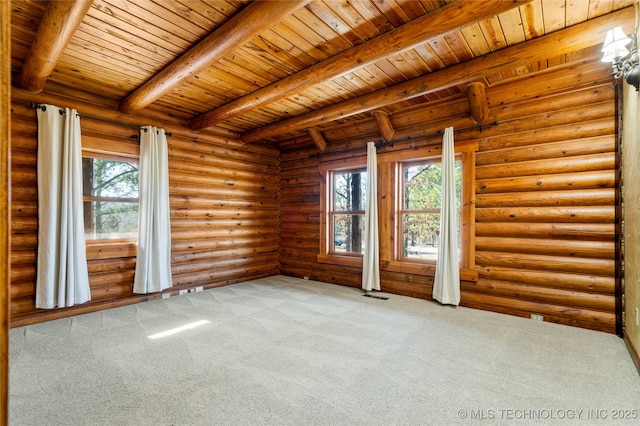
(544, 184)
(56, 29)
(317, 138)
(545, 200)
(384, 124)
(5, 214)
(120, 45)
(420, 31)
(478, 103)
(585, 35)
(254, 18)
(223, 209)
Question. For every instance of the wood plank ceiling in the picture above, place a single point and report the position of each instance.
(269, 71)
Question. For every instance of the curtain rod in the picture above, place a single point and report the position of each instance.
(391, 143)
(132, 126)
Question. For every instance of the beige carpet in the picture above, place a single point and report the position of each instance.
(283, 351)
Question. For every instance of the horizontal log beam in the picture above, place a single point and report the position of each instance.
(223, 263)
(212, 203)
(58, 25)
(543, 294)
(242, 27)
(580, 282)
(212, 225)
(213, 278)
(210, 257)
(549, 247)
(229, 193)
(231, 233)
(583, 231)
(570, 214)
(602, 267)
(575, 197)
(212, 245)
(581, 180)
(577, 37)
(585, 318)
(449, 18)
(540, 151)
(175, 125)
(582, 163)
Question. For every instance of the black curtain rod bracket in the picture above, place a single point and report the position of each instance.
(131, 126)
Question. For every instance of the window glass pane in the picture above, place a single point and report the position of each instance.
(111, 220)
(110, 191)
(423, 185)
(420, 235)
(349, 191)
(109, 178)
(348, 233)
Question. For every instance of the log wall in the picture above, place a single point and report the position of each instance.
(5, 226)
(545, 185)
(545, 190)
(224, 205)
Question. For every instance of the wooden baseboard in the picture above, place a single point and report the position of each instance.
(632, 351)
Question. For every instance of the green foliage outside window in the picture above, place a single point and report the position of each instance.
(110, 198)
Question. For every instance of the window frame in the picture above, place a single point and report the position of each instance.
(388, 177)
(401, 211)
(327, 169)
(332, 212)
(99, 148)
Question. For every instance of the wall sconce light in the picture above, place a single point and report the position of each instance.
(615, 51)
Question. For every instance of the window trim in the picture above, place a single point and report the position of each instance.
(387, 183)
(332, 212)
(326, 169)
(130, 154)
(401, 211)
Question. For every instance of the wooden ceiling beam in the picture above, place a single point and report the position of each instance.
(384, 124)
(317, 138)
(449, 18)
(59, 23)
(581, 36)
(478, 103)
(255, 18)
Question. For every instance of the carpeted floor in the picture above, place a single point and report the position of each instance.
(284, 351)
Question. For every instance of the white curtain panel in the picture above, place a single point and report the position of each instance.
(62, 278)
(371, 255)
(153, 263)
(446, 285)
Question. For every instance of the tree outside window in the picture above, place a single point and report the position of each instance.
(110, 191)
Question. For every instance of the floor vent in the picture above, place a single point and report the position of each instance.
(376, 296)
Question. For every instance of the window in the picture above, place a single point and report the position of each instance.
(346, 215)
(420, 194)
(409, 182)
(110, 189)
